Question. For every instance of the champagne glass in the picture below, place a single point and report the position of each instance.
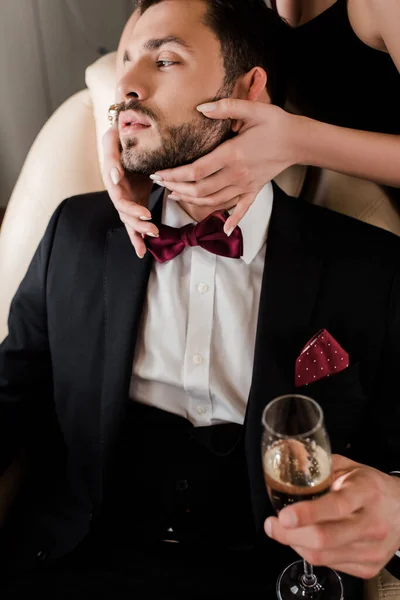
(296, 458)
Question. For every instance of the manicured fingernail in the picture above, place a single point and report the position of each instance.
(151, 234)
(208, 107)
(140, 255)
(155, 177)
(229, 231)
(268, 527)
(145, 218)
(161, 184)
(173, 197)
(115, 176)
(288, 519)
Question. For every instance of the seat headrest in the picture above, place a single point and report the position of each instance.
(100, 78)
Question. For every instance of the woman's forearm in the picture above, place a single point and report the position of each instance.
(373, 156)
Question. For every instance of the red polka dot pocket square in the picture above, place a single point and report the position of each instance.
(321, 357)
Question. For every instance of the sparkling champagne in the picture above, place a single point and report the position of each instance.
(294, 471)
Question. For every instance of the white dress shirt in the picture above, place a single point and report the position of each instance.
(195, 349)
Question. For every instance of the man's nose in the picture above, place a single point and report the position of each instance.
(130, 87)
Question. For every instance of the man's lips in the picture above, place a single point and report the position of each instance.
(132, 121)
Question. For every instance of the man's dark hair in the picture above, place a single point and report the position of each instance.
(251, 35)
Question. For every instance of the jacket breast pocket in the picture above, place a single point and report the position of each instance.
(342, 400)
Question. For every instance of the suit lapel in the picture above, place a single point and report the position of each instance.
(124, 288)
(289, 291)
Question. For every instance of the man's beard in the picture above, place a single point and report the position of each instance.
(180, 145)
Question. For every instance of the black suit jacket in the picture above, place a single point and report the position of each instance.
(73, 325)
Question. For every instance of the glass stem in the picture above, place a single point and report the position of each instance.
(308, 579)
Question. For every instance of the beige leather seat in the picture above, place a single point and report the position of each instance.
(66, 160)
(63, 161)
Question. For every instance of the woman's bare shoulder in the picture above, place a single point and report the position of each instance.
(364, 21)
(371, 20)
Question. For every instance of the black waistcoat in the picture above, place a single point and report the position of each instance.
(171, 480)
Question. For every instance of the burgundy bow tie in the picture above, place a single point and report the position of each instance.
(208, 234)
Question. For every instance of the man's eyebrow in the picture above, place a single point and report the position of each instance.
(157, 43)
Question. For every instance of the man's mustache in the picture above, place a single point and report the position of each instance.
(137, 107)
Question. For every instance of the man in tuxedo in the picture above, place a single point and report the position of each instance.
(138, 385)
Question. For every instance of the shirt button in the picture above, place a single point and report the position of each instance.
(201, 410)
(182, 486)
(202, 288)
(42, 555)
(198, 359)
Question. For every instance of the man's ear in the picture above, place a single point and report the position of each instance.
(253, 87)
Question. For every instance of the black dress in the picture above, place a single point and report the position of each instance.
(337, 79)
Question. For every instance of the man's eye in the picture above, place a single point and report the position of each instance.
(165, 63)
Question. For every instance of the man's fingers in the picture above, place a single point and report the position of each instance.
(239, 211)
(345, 555)
(362, 570)
(330, 535)
(355, 493)
(231, 108)
(342, 465)
(357, 569)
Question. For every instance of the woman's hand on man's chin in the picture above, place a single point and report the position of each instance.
(129, 193)
(235, 172)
